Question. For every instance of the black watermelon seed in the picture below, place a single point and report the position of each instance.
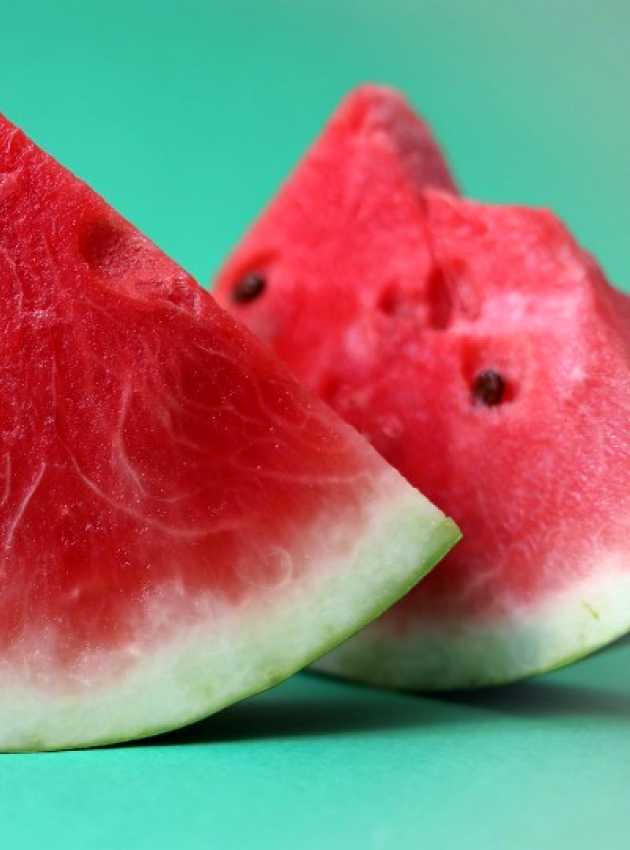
(248, 288)
(489, 388)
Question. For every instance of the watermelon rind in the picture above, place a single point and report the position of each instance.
(241, 650)
(530, 640)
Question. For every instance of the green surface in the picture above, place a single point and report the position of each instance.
(320, 765)
(186, 116)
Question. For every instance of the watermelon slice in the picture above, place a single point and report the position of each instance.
(485, 356)
(181, 524)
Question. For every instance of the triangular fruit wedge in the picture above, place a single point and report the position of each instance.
(181, 524)
(351, 203)
(485, 356)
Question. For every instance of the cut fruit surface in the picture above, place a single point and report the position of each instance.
(485, 356)
(181, 525)
(352, 202)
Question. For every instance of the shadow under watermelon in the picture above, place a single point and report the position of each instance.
(307, 706)
(545, 699)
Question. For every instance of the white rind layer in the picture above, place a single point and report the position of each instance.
(449, 655)
(228, 654)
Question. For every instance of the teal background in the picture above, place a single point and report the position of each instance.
(186, 116)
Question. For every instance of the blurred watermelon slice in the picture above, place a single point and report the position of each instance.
(181, 525)
(485, 356)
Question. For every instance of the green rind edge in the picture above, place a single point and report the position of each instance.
(371, 657)
(444, 535)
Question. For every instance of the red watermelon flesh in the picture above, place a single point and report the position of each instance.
(356, 198)
(181, 524)
(484, 355)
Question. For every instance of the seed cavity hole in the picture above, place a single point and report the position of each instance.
(490, 388)
(431, 299)
(107, 247)
(389, 301)
(249, 287)
(395, 301)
